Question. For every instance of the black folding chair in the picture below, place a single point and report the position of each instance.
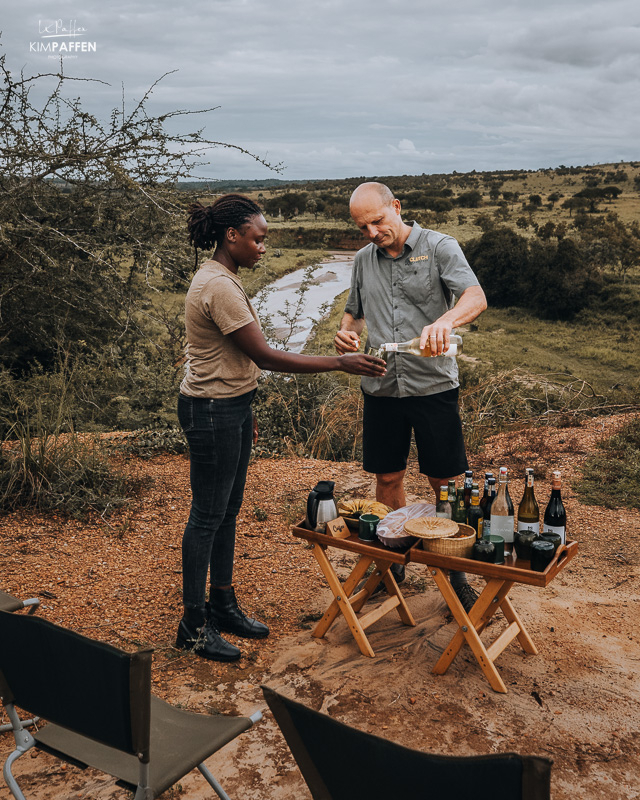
(101, 712)
(341, 763)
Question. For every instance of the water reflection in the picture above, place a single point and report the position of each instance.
(328, 281)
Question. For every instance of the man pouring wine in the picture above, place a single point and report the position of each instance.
(402, 286)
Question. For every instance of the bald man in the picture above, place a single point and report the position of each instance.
(402, 285)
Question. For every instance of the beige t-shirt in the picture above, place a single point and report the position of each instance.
(217, 305)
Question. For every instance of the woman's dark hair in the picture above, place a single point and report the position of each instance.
(208, 224)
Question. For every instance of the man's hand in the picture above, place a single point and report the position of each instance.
(255, 429)
(347, 339)
(436, 336)
(471, 304)
(346, 342)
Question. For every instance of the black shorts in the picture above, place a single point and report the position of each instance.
(435, 422)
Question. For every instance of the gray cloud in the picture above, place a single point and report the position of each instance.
(339, 88)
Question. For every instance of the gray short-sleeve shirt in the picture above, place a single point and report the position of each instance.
(399, 296)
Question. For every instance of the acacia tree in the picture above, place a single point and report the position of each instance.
(89, 216)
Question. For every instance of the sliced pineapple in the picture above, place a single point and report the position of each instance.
(354, 508)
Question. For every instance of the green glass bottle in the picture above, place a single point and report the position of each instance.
(475, 515)
(459, 510)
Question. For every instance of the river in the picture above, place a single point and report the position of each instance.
(328, 281)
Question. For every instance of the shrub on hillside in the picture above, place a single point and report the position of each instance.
(617, 464)
(552, 279)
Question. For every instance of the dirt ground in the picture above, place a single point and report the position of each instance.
(577, 701)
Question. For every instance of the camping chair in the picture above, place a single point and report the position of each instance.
(10, 603)
(101, 711)
(341, 763)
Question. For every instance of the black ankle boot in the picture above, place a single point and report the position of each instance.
(226, 615)
(204, 640)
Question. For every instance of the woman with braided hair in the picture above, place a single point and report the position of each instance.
(225, 352)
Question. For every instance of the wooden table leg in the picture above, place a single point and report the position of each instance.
(338, 590)
(523, 636)
(382, 573)
(342, 601)
(467, 631)
(350, 606)
(402, 607)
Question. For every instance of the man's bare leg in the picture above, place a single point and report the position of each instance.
(390, 489)
(436, 483)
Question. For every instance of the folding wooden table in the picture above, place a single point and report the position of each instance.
(500, 578)
(347, 603)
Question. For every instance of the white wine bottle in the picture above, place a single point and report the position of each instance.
(555, 517)
(413, 347)
(528, 511)
(502, 513)
(443, 506)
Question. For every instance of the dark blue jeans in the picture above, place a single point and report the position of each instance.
(219, 433)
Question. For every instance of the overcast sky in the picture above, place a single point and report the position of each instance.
(337, 88)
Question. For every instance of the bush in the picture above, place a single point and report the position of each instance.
(154, 440)
(617, 466)
(60, 472)
(319, 416)
(44, 463)
(554, 280)
(515, 399)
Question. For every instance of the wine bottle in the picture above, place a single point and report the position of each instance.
(413, 347)
(528, 511)
(502, 512)
(485, 496)
(475, 517)
(490, 496)
(452, 493)
(459, 510)
(555, 517)
(443, 506)
(468, 481)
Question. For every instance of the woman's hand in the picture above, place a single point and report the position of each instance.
(359, 364)
(255, 429)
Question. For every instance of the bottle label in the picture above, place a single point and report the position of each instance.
(529, 526)
(486, 527)
(502, 526)
(391, 347)
(556, 529)
(480, 528)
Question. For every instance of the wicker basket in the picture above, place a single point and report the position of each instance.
(461, 547)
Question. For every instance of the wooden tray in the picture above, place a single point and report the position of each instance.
(353, 545)
(513, 569)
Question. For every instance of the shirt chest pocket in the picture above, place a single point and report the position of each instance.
(418, 283)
